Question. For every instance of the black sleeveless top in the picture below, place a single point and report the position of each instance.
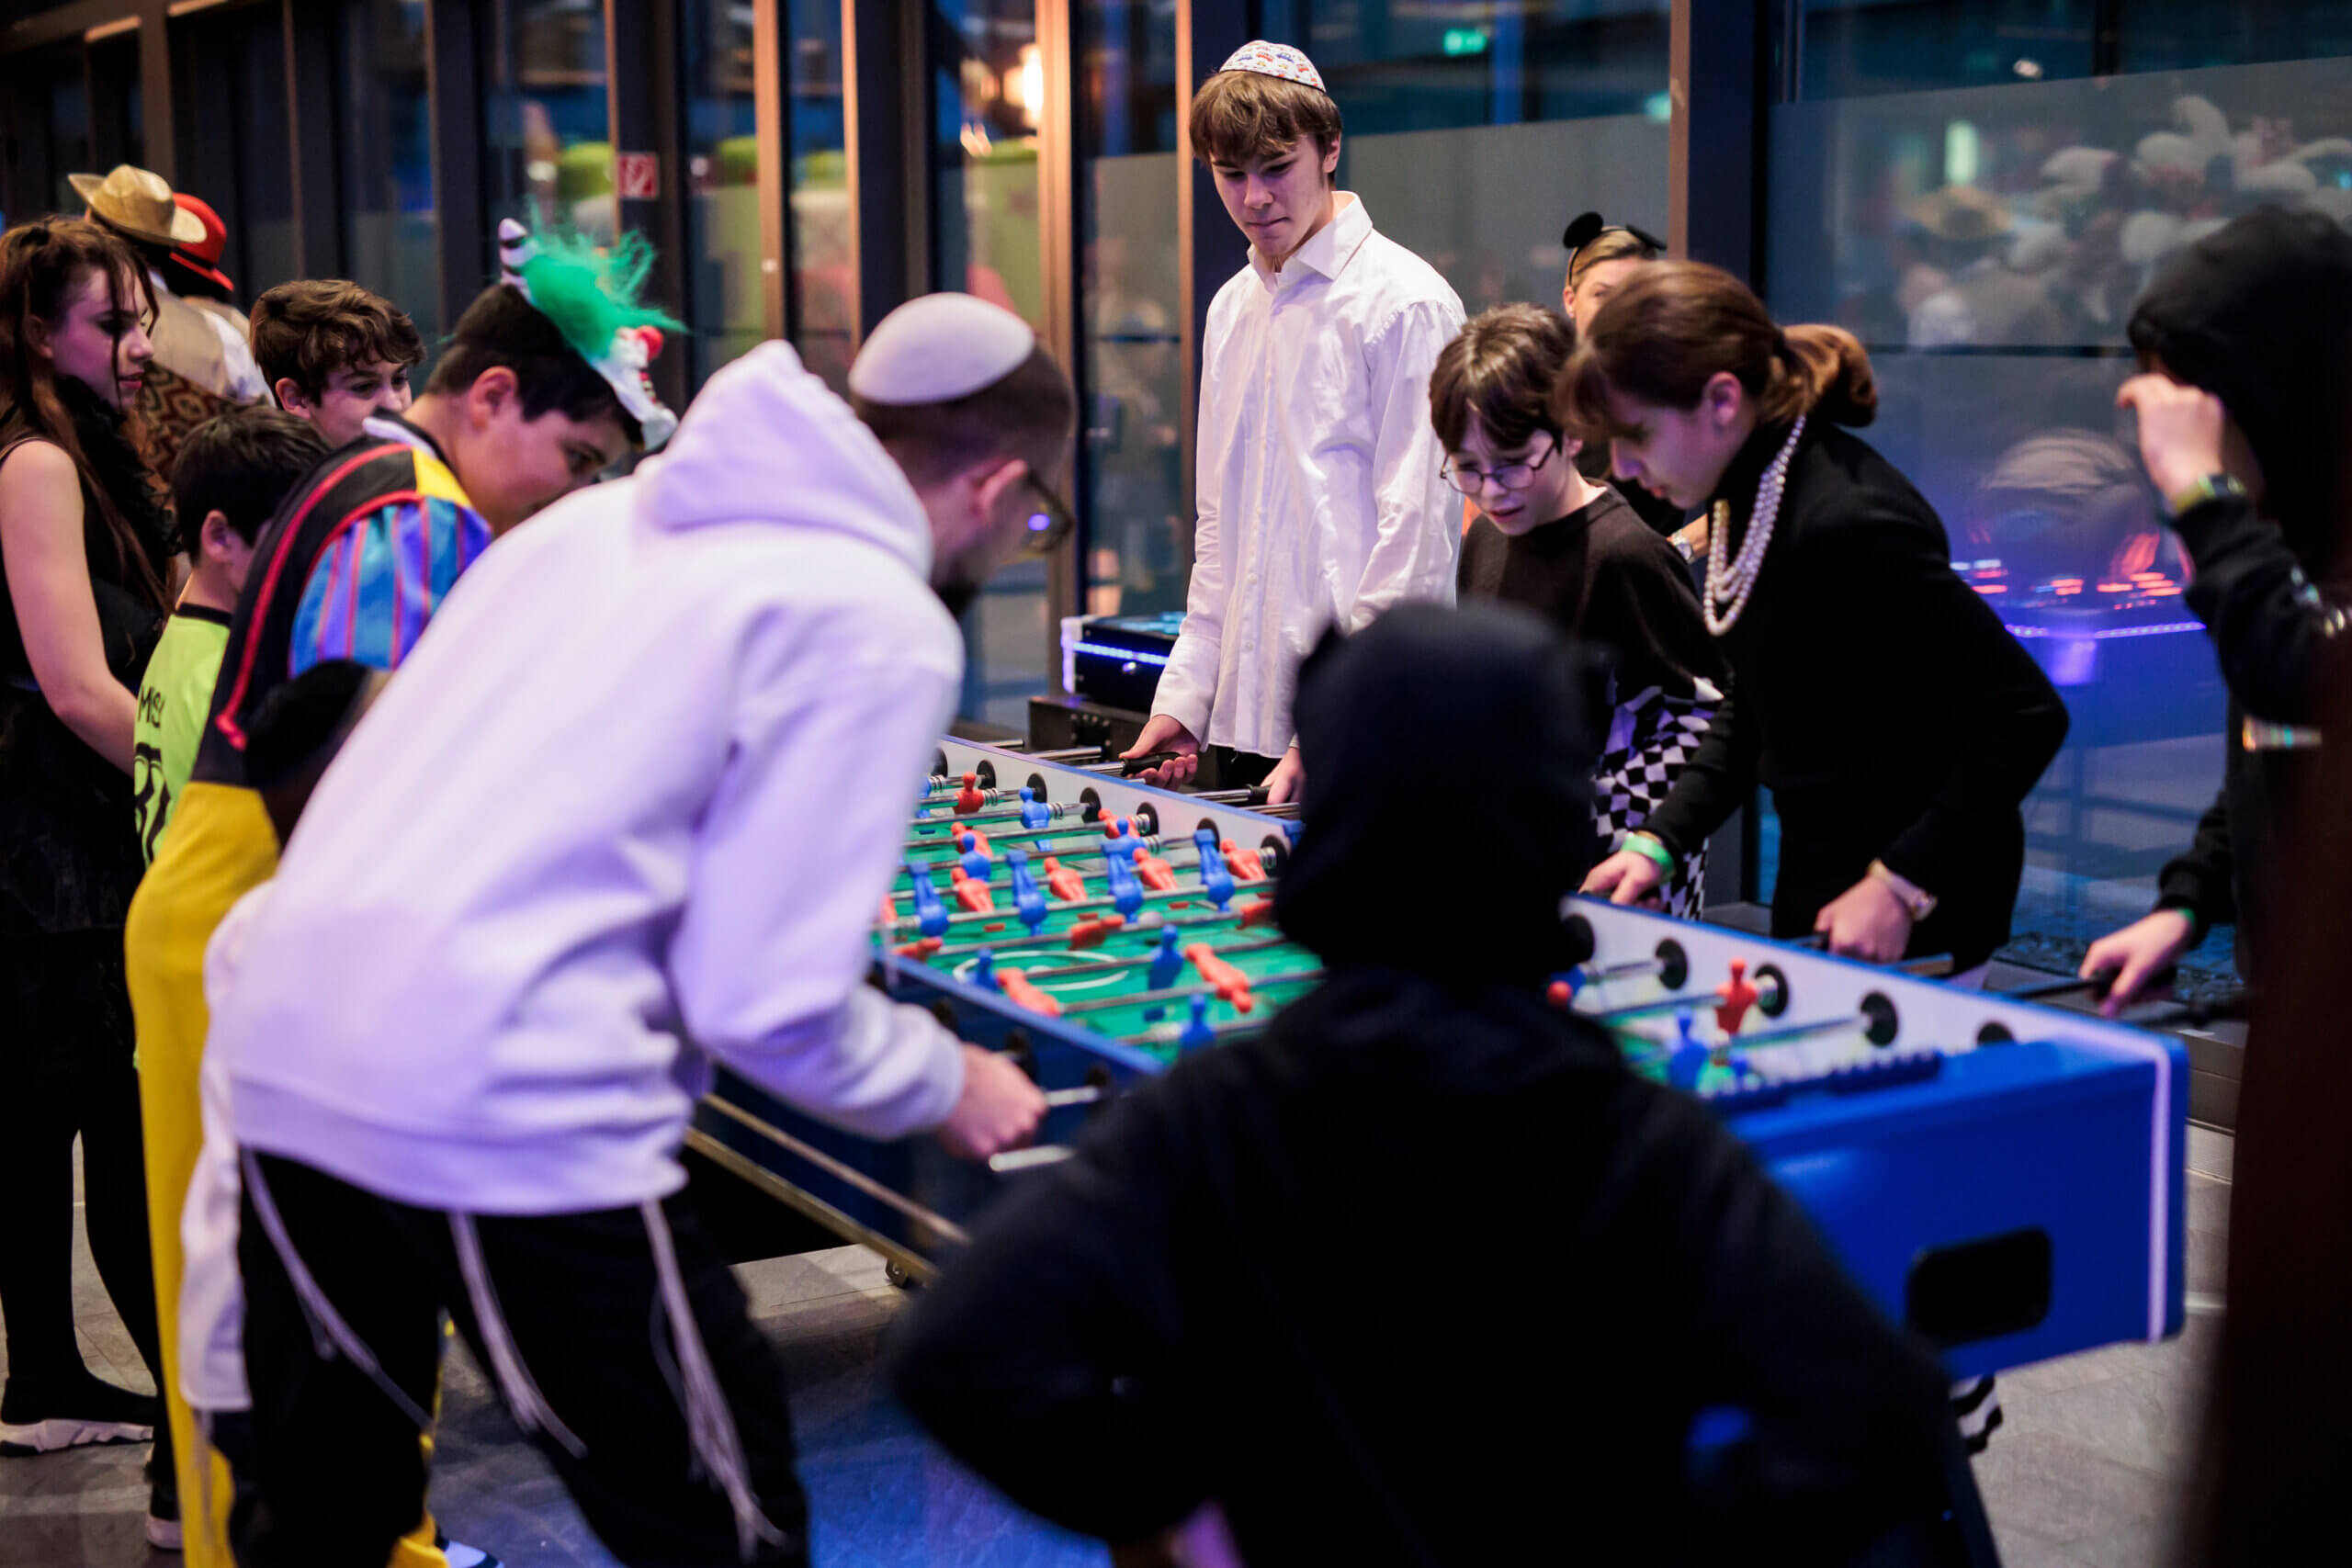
(69, 850)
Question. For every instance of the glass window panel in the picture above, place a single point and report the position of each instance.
(69, 127)
(1131, 478)
(552, 114)
(232, 80)
(1849, 51)
(990, 94)
(1989, 244)
(727, 307)
(1448, 112)
(390, 229)
(262, 240)
(824, 282)
(2173, 35)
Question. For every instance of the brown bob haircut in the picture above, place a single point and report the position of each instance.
(1500, 371)
(1028, 412)
(1241, 116)
(305, 331)
(1676, 325)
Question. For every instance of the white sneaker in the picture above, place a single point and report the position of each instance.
(461, 1556)
(60, 1432)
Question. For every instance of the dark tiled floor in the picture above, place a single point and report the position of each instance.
(2084, 1473)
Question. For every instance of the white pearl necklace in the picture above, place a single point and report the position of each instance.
(1730, 583)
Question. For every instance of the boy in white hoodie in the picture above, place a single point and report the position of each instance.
(625, 811)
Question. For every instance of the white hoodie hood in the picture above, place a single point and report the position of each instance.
(768, 439)
(631, 801)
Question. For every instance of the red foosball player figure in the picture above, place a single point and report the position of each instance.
(1095, 932)
(1733, 997)
(1258, 914)
(1232, 987)
(969, 799)
(1063, 883)
(1024, 994)
(1247, 865)
(1154, 873)
(970, 892)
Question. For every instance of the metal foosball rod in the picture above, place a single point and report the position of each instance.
(1183, 993)
(1141, 960)
(976, 917)
(939, 826)
(1767, 998)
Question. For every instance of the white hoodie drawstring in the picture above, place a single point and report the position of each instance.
(523, 1399)
(710, 1425)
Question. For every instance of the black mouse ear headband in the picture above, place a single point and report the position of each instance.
(1587, 227)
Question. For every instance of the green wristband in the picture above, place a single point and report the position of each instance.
(2212, 487)
(1648, 846)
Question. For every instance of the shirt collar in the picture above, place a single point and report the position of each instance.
(1329, 250)
(392, 427)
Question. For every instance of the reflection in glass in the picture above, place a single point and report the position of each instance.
(554, 119)
(388, 213)
(989, 92)
(726, 301)
(1473, 136)
(1989, 244)
(823, 282)
(1131, 478)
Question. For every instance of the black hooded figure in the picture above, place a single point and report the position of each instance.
(2259, 314)
(1224, 1295)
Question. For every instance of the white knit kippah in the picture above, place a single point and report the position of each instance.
(1278, 60)
(939, 348)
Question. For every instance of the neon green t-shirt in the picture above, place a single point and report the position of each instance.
(173, 702)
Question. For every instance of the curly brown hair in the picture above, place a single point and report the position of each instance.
(305, 331)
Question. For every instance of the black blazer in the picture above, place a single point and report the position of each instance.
(1879, 698)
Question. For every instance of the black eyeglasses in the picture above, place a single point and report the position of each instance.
(1512, 477)
(1051, 524)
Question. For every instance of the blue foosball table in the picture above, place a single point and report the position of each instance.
(2004, 1178)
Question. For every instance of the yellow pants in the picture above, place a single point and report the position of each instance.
(220, 847)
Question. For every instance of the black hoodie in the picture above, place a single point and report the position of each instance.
(1425, 1275)
(2260, 315)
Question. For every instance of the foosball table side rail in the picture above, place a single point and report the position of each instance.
(2026, 1199)
(908, 1199)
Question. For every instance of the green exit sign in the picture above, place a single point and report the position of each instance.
(1466, 40)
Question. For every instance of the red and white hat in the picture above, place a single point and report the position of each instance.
(1276, 60)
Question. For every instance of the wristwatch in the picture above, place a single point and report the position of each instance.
(1917, 900)
(2212, 487)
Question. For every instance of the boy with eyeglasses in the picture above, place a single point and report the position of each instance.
(1551, 539)
(1319, 494)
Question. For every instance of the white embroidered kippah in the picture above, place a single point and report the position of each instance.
(1276, 60)
(939, 348)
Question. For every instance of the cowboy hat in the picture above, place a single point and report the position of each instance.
(202, 257)
(139, 204)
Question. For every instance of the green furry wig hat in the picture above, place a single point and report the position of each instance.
(592, 298)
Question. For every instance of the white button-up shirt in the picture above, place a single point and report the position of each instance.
(1322, 498)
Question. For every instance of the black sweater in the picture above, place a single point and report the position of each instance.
(1880, 699)
(1207, 1303)
(2272, 628)
(1603, 577)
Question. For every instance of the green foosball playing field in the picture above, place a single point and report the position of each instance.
(1094, 923)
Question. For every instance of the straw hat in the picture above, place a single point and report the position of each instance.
(139, 204)
(1963, 214)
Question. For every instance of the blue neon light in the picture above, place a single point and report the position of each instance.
(1105, 650)
(2160, 629)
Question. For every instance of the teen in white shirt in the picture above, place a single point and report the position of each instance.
(1321, 495)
